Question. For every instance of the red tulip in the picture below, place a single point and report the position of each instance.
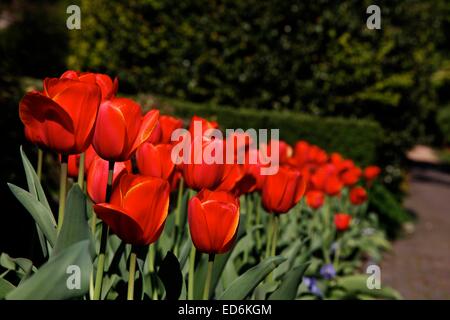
(74, 162)
(121, 128)
(213, 221)
(197, 173)
(62, 117)
(205, 125)
(315, 199)
(286, 151)
(233, 173)
(358, 195)
(351, 176)
(138, 209)
(107, 86)
(283, 190)
(327, 180)
(371, 173)
(342, 221)
(168, 125)
(305, 153)
(155, 161)
(253, 169)
(155, 137)
(97, 177)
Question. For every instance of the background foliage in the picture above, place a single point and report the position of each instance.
(316, 57)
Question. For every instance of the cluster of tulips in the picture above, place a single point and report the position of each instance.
(122, 160)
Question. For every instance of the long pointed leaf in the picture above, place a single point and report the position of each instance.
(289, 285)
(242, 286)
(51, 280)
(37, 210)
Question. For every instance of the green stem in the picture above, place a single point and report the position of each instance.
(81, 171)
(178, 217)
(327, 228)
(275, 222)
(131, 275)
(100, 263)
(257, 222)
(104, 239)
(336, 255)
(191, 273)
(62, 190)
(93, 223)
(39, 163)
(269, 236)
(208, 276)
(151, 258)
(151, 270)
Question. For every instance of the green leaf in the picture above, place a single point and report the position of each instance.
(34, 185)
(25, 265)
(291, 253)
(35, 188)
(52, 279)
(242, 286)
(183, 213)
(289, 285)
(357, 284)
(75, 226)
(5, 287)
(39, 212)
(222, 259)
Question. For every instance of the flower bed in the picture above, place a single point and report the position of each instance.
(141, 224)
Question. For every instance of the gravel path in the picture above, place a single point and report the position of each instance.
(419, 264)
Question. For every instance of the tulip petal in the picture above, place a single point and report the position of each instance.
(148, 124)
(198, 226)
(110, 132)
(81, 101)
(46, 122)
(148, 202)
(222, 219)
(121, 223)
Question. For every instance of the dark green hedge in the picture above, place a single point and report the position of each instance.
(315, 57)
(354, 138)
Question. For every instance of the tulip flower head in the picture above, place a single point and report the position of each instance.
(138, 209)
(371, 173)
(155, 161)
(213, 221)
(97, 177)
(315, 199)
(121, 128)
(342, 221)
(168, 125)
(358, 195)
(62, 117)
(197, 173)
(283, 190)
(107, 86)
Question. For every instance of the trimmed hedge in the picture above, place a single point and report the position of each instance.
(355, 138)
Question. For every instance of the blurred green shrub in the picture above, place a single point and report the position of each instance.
(316, 57)
(354, 138)
(443, 120)
(390, 211)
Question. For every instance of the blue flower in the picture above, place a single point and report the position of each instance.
(327, 271)
(311, 283)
